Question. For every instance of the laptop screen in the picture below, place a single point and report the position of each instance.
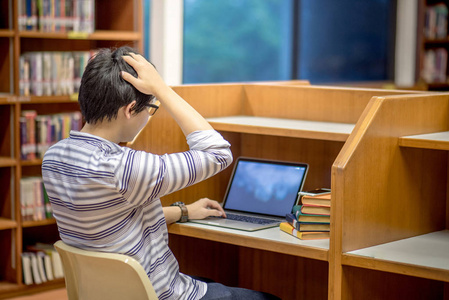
(264, 187)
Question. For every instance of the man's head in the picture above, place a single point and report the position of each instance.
(103, 91)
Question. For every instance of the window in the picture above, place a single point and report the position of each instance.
(237, 40)
(346, 40)
(318, 40)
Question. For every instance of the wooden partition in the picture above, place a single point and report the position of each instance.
(389, 237)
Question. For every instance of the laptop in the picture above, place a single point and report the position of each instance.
(260, 189)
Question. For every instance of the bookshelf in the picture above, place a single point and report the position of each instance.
(117, 23)
(296, 123)
(432, 45)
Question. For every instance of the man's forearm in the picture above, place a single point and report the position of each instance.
(172, 214)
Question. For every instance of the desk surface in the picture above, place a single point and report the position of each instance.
(271, 239)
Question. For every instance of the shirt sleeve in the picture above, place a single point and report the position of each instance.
(147, 176)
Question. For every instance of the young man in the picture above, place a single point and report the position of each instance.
(107, 198)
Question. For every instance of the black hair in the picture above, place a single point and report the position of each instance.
(103, 91)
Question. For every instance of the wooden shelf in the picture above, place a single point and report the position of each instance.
(6, 33)
(97, 35)
(7, 98)
(283, 127)
(47, 99)
(7, 224)
(271, 239)
(7, 287)
(436, 141)
(424, 256)
(26, 224)
(34, 162)
(10, 290)
(7, 162)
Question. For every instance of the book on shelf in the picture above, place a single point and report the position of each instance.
(39, 132)
(435, 23)
(324, 199)
(309, 235)
(57, 15)
(41, 263)
(34, 200)
(35, 269)
(307, 226)
(52, 73)
(28, 134)
(434, 66)
(26, 269)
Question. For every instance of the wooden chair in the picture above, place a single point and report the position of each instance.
(99, 275)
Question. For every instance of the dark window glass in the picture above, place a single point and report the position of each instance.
(346, 40)
(237, 40)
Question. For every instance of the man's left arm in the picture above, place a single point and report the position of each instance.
(200, 209)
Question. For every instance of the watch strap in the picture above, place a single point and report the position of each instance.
(184, 212)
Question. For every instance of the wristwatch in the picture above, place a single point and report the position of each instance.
(184, 213)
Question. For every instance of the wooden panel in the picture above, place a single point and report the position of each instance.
(6, 73)
(374, 285)
(317, 103)
(437, 141)
(378, 188)
(250, 268)
(202, 258)
(118, 15)
(382, 186)
(285, 276)
(7, 271)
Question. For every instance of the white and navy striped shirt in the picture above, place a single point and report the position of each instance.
(106, 198)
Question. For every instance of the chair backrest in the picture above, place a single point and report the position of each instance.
(99, 275)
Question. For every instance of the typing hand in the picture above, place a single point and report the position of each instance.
(204, 208)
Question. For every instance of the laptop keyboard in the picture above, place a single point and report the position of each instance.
(254, 220)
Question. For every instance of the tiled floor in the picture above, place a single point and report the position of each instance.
(59, 294)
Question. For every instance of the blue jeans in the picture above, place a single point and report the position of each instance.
(217, 291)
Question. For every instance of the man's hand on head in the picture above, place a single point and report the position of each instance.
(148, 80)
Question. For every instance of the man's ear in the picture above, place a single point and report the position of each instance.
(128, 109)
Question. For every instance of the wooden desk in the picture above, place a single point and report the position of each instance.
(309, 124)
(266, 260)
(271, 239)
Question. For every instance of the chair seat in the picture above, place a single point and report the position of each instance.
(100, 275)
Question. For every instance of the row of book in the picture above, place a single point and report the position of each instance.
(310, 219)
(57, 15)
(52, 73)
(434, 69)
(34, 202)
(435, 26)
(39, 132)
(41, 263)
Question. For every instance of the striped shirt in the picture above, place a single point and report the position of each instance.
(107, 198)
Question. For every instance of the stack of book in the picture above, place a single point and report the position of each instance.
(41, 263)
(310, 219)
